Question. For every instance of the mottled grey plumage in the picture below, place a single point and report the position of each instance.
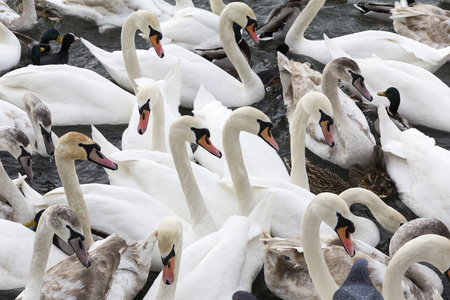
(358, 285)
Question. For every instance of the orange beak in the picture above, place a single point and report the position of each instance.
(251, 29)
(205, 142)
(143, 121)
(157, 45)
(168, 271)
(346, 240)
(266, 134)
(327, 132)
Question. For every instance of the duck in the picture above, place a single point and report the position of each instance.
(43, 10)
(108, 15)
(357, 285)
(408, 155)
(88, 98)
(17, 144)
(10, 47)
(354, 143)
(234, 248)
(424, 23)
(61, 57)
(279, 20)
(62, 221)
(14, 21)
(413, 83)
(432, 248)
(379, 11)
(389, 45)
(35, 122)
(285, 258)
(392, 110)
(249, 91)
(27, 42)
(254, 149)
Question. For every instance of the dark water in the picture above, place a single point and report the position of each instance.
(337, 17)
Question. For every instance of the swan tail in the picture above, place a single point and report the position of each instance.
(106, 146)
(172, 85)
(333, 48)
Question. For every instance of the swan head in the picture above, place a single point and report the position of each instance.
(189, 129)
(333, 211)
(253, 121)
(348, 71)
(243, 15)
(318, 106)
(18, 145)
(64, 222)
(150, 29)
(170, 241)
(147, 97)
(40, 114)
(75, 145)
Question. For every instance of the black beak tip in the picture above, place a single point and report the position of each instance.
(140, 132)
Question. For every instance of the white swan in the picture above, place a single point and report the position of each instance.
(118, 269)
(88, 98)
(194, 69)
(35, 122)
(16, 252)
(414, 84)
(386, 45)
(433, 249)
(234, 250)
(353, 139)
(15, 142)
(425, 23)
(156, 107)
(409, 154)
(62, 221)
(109, 14)
(254, 149)
(285, 258)
(10, 47)
(121, 210)
(13, 21)
(184, 182)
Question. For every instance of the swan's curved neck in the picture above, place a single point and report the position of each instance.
(252, 84)
(29, 12)
(330, 89)
(317, 267)
(75, 198)
(201, 220)
(159, 128)
(298, 28)
(41, 249)
(236, 165)
(217, 6)
(298, 130)
(22, 208)
(130, 59)
(429, 248)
